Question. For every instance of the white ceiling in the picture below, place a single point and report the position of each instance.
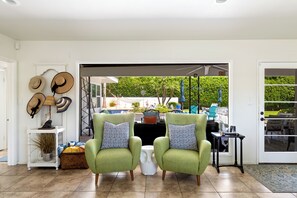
(149, 19)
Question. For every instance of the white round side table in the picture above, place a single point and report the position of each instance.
(148, 163)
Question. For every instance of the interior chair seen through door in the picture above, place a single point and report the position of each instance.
(187, 161)
(112, 159)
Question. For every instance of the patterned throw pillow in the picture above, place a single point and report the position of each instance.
(115, 136)
(182, 136)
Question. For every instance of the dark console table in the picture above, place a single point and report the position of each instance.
(149, 132)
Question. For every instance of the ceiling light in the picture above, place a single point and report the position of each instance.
(12, 2)
(221, 1)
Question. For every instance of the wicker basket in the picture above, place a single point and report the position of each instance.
(73, 161)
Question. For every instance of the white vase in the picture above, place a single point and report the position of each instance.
(47, 157)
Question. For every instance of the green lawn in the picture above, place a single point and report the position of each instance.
(268, 113)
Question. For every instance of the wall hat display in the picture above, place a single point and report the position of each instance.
(63, 104)
(35, 103)
(62, 83)
(37, 84)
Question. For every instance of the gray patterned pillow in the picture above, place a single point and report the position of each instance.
(115, 136)
(182, 136)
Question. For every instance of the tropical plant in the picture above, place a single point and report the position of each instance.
(45, 142)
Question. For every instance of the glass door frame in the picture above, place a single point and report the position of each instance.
(270, 157)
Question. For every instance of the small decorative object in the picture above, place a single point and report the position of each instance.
(62, 83)
(63, 104)
(35, 103)
(232, 128)
(49, 101)
(36, 84)
(47, 125)
(46, 143)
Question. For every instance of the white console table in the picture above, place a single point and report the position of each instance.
(34, 153)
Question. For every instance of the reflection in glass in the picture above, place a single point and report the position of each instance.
(283, 138)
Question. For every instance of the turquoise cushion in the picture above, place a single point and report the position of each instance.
(181, 161)
(115, 136)
(182, 136)
(113, 160)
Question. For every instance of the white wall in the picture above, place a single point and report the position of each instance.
(7, 50)
(243, 56)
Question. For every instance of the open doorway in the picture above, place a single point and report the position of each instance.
(195, 76)
(3, 114)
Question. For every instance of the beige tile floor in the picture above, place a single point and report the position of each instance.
(17, 181)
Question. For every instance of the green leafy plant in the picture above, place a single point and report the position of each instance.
(45, 142)
(137, 108)
(136, 104)
(173, 104)
(162, 108)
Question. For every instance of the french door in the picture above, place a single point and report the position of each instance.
(277, 113)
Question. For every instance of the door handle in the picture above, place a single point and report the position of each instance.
(262, 119)
(261, 113)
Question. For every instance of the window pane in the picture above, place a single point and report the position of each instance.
(93, 89)
(98, 90)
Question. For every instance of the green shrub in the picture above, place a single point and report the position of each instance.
(173, 104)
(162, 108)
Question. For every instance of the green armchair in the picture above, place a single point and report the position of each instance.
(112, 159)
(192, 162)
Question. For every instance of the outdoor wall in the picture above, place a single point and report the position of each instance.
(243, 56)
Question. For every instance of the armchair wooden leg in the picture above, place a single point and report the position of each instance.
(132, 175)
(198, 179)
(163, 174)
(97, 178)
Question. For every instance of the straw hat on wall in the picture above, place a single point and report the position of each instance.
(62, 83)
(37, 84)
(35, 103)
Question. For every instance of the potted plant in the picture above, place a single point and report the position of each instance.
(46, 143)
(113, 103)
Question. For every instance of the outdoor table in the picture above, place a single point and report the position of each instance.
(217, 138)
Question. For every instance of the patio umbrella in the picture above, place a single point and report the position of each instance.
(182, 98)
(220, 96)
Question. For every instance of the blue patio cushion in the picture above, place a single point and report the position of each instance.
(115, 136)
